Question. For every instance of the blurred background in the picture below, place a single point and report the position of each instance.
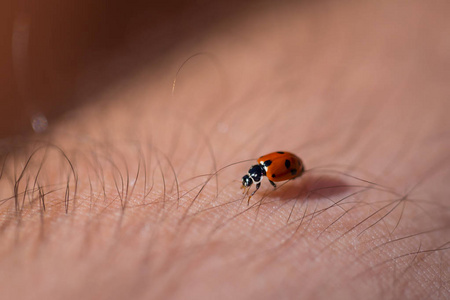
(56, 53)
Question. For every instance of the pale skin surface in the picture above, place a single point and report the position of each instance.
(355, 91)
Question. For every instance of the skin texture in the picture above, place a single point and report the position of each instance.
(137, 194)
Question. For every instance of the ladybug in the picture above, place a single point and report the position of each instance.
(277, 166)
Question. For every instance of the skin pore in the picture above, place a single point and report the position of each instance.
(137, 195)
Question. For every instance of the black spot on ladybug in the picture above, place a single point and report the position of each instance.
(287, 163)
(273, 176)
(280, 152)
(294, 171)
(267, 163)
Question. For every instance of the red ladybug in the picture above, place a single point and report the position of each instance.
(277, 166)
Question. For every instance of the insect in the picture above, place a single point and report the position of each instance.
(277, 166)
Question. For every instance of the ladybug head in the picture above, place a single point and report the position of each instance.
(247, 181)
(254, 175)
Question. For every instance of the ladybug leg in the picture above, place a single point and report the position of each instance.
(273, 184)
(257, 187)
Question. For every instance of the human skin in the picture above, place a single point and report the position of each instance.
(138, 195)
